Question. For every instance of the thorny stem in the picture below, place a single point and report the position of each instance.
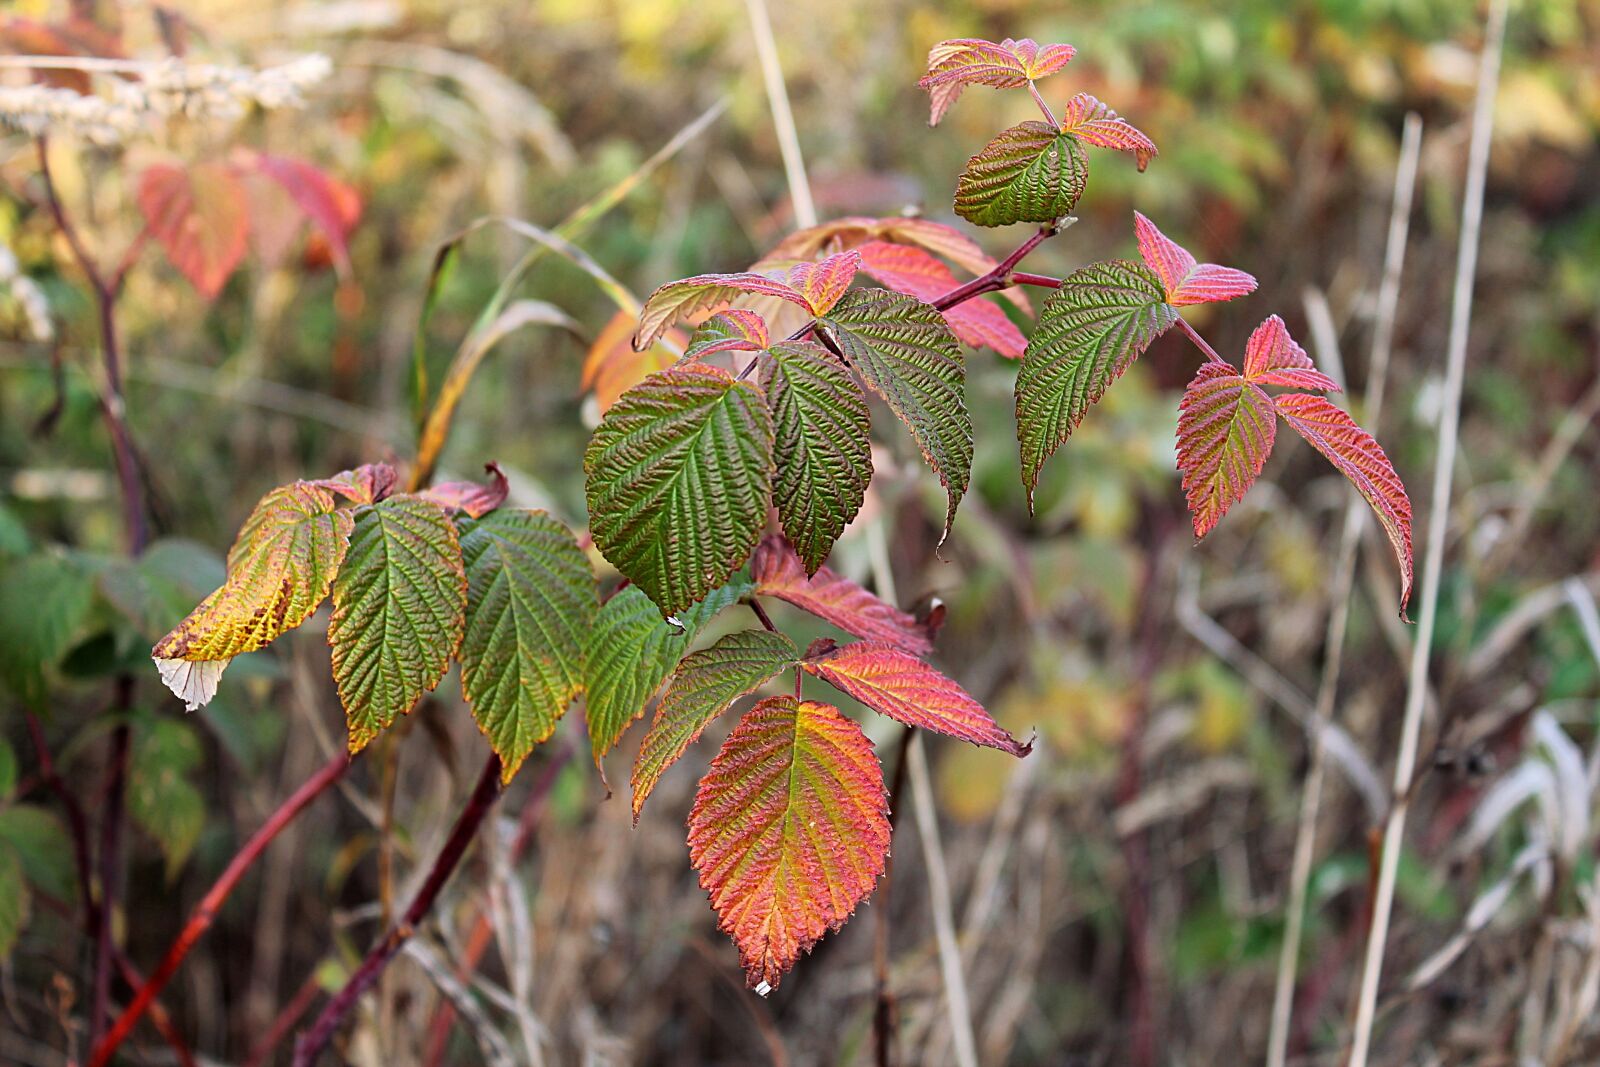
(314, 1040)
(206, 911)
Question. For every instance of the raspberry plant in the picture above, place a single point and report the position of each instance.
(724, 468)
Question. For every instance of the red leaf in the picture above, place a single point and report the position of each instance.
(333, 206)
(734, 330)
(1186, 281)
(366, 484)
(474, 498)
(612, 366)
(822, 284)
(1271, 357)
(789, 831)
(916, 273)
(1225, 432)
(897, 684)
(76, 36)
(1092, 122)
(704, 292)
(953, 65)
(833, 598)
(1361, 459)
(199, 216)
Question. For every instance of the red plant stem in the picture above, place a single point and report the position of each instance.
(314, 1040)
(999, 276)
(1044, 281)
(298, 1005)
(206, 911)
(1200, 342)
(533, 810)
(761, 613)
(158, 1015)
(1038, 98)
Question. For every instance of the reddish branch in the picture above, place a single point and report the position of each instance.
(314, 1040)
(206, 912)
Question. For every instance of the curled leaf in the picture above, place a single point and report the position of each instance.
(476, 499)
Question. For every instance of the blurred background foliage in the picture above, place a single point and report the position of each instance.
(1162, 770)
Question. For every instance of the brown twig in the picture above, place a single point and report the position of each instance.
(883, 1015)
(314, 1040)
(206, 912)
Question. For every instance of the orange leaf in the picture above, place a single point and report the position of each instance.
(199, 216)
(789, 831)
(833, 598)
(612, 367)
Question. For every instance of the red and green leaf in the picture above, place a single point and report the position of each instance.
(669, 447)
(911, 270)
(1271, 357)
(905, 353)
(823, 283)
(735, 330)
(822, 445)
(200, 217)
(399, 606)
(833, 598)
(1090, 331)
(1225, 432)
(706, 684)
(895, 683)
(1184, 280)
(1092, 122)
(789, 831)
(474, 499)
(1030, 173)
(704, 293)
(1360, 458)
(1012, 64)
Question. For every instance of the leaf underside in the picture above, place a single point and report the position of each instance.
(789, 831)
(1226, 427)
(1029, 173)
(905, 353)
(679, 477)
(531, 600)
(705, 685)
(834, 598)
(399, 606)
(630, 653)
(823, 451)
(1090, 330)
(895, 683)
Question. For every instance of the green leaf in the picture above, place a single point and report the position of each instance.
(705, 685)
(1029, 173)
(42, 846)
(14, 900)
(531, 600)
(1090, 331)
(904, 351)
(631, 651)
(399, 605)
(44, 607)
(14, 539)
(8, 770)
(161, 799)
(821, 427)
(679, 479)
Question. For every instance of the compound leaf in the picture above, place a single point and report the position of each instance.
(1182, 279)
(906, 354)
(631, 650)
(789, 831)
(1090, 331)
(1360, 458)
(679, 477)
(1225, 431)
(399, 605)
(705, 685)
(833, 598)
(1030, 173)
(821, 427)
(531, 601)
(895, 683)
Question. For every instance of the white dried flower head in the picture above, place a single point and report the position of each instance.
(37, 109)
(28, 295)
